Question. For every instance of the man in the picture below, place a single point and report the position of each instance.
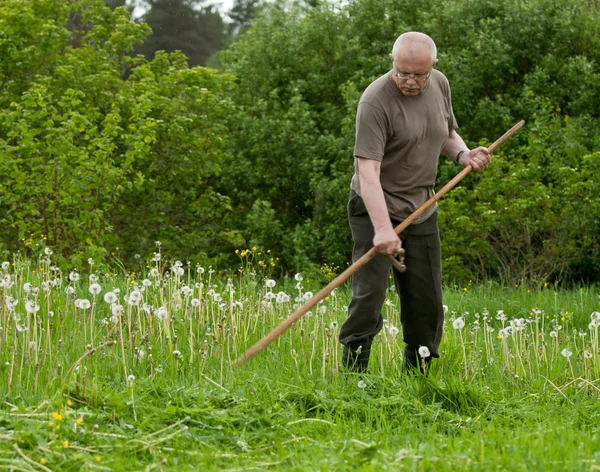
(404, 121)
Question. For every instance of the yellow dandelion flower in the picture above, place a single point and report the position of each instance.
(50, 423)
(79, 421)
(43, 461)
(97, 458)
(254, 248)
(465, 289)
(65, 444)
(57, 416)
(69, 402)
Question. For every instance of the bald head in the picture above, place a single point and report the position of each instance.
(414, 44)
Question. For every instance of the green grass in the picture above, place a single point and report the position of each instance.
(157, 390)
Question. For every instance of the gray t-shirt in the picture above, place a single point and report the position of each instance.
(406, 135)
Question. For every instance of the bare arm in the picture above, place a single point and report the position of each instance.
(386, 241)
(479, 158)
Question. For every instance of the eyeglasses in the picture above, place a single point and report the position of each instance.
(406, 76)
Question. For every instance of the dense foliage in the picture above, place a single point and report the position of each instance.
(535, 214)
(101, 149)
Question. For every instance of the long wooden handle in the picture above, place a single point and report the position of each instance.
(340, 279)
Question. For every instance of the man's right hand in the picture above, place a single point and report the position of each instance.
(386, 241)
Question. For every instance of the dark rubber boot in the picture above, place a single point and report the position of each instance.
(355, 357)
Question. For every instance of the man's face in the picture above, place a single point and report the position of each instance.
(411, 70)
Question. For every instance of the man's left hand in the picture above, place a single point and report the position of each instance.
(479, 159)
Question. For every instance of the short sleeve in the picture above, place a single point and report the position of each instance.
(371, 132)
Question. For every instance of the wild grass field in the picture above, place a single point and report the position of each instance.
(108, 370)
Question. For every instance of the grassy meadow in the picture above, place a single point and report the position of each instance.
(109, 370)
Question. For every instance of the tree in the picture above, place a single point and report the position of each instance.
(93, 160)
(183, 25)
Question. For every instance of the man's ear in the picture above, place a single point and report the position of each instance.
(392, 58)
(435, 62)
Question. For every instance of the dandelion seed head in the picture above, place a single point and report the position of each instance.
(458, 323)
(6, 265)
(95, 289)
(73, 276)
(566, 353)
(362, 384)
(195, 302)
(31, 307)
(553, 334)
(270, 283)
(110, 297)
(298, 277)
(424, 352)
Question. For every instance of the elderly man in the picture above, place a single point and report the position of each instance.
(404, 121)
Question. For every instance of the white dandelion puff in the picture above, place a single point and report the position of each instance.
(566, 353)
(587, 354)
(195, 302)
(31, 307)
(298, 277)
(84, 304)
(117, 310)
(270, 283)
(458, 323)
(362, 384)
(73, 276)
(424, 352)
(146, 283)
(95, 289)
(6, 265)
(110, 297)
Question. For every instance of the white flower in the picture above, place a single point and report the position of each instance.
(134, 298)
(518, 324)
(110, 297)
(505, 333)
(595, 316)
(500, 315)
(299, 277)
(322, 309)
(270, 296)
(566, 353)
(161, 313)
(200, 270)
(10, 302)
(91, 261)
(424, 352)
(156, 257)
(153, 272)
(553, 334)
(217, 297)
(270, 283)
(130, 378)
(95, 289)
(27, 287)
(84, 304)
(362, 384)
(69, 290)
(178, 271)
(445, 308)
(393, 331)
(333, 325)
(73, 276)
(195, 302)
(117, 310)
(6, 265)
(587, 354)
(458, 323)
(31, 307)
(177, 353)
(282, 297)
(146, 283)
(47, 251)
(307, 296)
(139, 354)
(187, 291)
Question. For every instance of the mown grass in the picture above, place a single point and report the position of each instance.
(151, 385)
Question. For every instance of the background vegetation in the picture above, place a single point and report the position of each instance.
(104, 151)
